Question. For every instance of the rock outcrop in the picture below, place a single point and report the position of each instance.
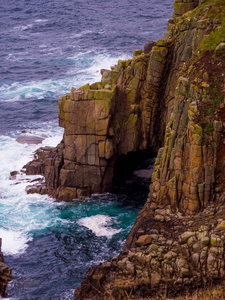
(178, 239)
(5, 274)
(123, 113)
(170, 100)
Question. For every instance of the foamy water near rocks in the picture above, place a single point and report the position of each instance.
(170, 100)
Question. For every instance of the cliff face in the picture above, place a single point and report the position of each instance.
(187, 166)
(126, 112)
(123, 113)
(170, 100)
(178, 237)
(5, 274)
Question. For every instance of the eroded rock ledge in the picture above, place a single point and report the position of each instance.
(169, 100)
(123, 113)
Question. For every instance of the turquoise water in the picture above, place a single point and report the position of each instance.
(45, 50)
(50, 245)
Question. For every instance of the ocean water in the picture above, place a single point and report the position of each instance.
(47, 47)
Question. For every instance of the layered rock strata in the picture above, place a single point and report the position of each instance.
(178, 238)
(105, 120)
(5, 274)
(168, 99)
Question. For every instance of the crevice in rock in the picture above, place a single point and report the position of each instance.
(139, 163)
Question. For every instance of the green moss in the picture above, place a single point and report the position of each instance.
(85, 87)
(221, 225)
(102, 95)
(131, 96)
(122, 64)
(213, 39)
(198, 129)
(161, 43)
(209, 128)
(216, 12)
(131, 122)
(137, 52)
(94, 86)
(114, 74)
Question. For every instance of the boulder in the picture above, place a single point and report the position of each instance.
(148, 47)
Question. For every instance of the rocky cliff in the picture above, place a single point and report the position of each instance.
(123, 113)
(169, 99)
(5, 274)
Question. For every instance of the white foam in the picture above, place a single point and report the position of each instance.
(35, 89)
(21, 213)
(40, 20)
(96, 63)
(23, 27)
(84, 67)
(100, 225)
(14, 242)
(82, 33)
(104, 61)
(68, 295)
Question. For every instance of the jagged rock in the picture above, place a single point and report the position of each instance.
(187, 189)
(103, 123)
(5, 274)
(37, 188)
(13, 174)
(205, 241)
(169, 100)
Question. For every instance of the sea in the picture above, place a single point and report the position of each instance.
(46, 48)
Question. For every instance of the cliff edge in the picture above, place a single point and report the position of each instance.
(177, 241)
(169, 99)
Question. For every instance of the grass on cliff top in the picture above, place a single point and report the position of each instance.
(215, 293)
(215, 11)
(210, 293)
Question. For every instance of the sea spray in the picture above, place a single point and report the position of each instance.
(101, 225)
(46, 50)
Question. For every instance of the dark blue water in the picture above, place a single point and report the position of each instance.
(46, 47)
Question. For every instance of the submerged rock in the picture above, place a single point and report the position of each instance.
(29, 139)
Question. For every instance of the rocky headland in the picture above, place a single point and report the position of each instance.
(170, 99)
